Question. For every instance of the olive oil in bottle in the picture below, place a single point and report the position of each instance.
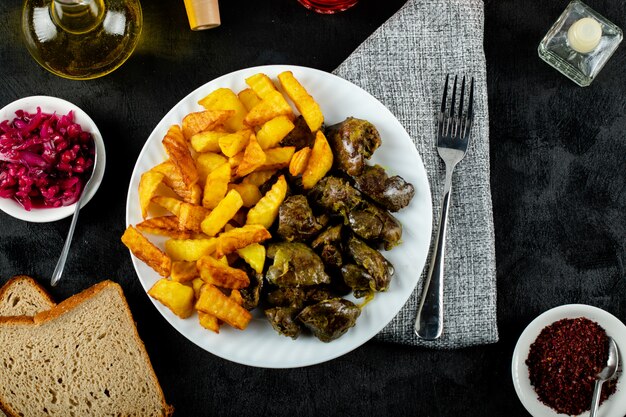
(81, 39)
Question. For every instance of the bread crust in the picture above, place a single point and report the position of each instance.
(32, 282)
(67, 306)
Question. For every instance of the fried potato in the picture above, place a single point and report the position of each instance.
(207, 162)
(305, 104)
(299, 161)
(173, 179)
(177, 148)
(235, 161)
(249, 98)
(240, 237)
(253, 157)
(190, 217)
(184, 271)
(177, 297)
(277, 158)
(146, 251)
(207, 141)
(249, 193)
(320, 162)
(204, 120)
(212, 271)
(225, 99)
(163, 226)
(240, 217)
(214, 302)
(216, 186)
(148, 184)
(209, 321)
(273, 131)
(234, 143)
(259, 178)
(254, 255)
(170, 204)
(223, 212)
(235, 295)
(190, 249)
(197, 284)
(273, 105)
(261, 85)
(266, 210)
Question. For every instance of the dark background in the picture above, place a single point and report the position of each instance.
(557, 175)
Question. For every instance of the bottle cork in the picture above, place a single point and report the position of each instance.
(203, 14)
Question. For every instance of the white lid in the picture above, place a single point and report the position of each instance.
(584, 35)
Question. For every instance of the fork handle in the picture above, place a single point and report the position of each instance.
(429, 320)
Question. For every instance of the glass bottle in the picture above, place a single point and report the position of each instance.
(81, 39)
(579, 43)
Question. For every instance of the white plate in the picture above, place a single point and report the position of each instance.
(259, 345)
(61, 107)
(614, 406)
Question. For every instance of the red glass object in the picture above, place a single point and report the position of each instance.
(328, 6)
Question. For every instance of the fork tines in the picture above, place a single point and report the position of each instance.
(456, 125)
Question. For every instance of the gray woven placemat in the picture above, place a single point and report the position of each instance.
(404, 64)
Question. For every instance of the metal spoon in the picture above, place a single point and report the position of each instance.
(58, 270)
(607, 373)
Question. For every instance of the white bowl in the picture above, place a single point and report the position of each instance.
(61, 107)
(614, 406)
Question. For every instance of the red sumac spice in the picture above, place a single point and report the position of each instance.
(564, 361)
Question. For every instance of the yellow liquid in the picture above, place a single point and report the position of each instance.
(81, 39)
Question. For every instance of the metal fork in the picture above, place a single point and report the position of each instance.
(453, 137)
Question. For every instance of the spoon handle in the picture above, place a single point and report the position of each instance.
(595, 400)
(58, 270)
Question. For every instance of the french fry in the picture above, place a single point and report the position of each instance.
(249, 193)
(235, 161)
(184, 271)
(148, 184)
(163, 226)
(190, 217)
(240, 217)
(223, 212)
(214, 302)
(197, 284)
(146, 251)
(320, 162)
(173, 179)
(207, 162)
(254, 255)
(209, 321)
(207, 141)
(234, 143)
(305, 104)
(177, 148)
(273, 105)
(235, 295)
(273, 131)
(249, 98)
(189, 249)
(261, 85)
(225, 99)
(266, 210)
(259, 178)
(204, 120)
(299, 161)
(215, 272)
(177, 297)
(170, 204)
(277, 158)
(253, 157)
(216, 186)
(240, 237)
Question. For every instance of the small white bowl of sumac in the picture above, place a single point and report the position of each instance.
(558, 357)
(47, 156)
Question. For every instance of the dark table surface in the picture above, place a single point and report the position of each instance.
(557, 175)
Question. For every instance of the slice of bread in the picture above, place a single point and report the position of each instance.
(83, 357)
(23, 296)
